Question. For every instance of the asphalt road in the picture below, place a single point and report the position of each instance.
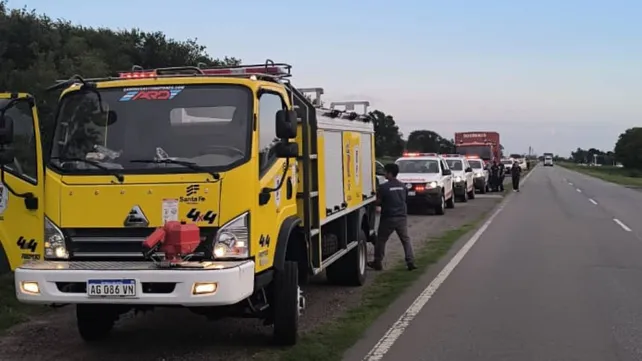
(557, 275)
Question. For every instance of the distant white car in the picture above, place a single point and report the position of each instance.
(522, 164)
(508, 164)
(464, 177)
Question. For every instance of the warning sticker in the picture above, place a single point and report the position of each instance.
(170, 210)
(4, 198)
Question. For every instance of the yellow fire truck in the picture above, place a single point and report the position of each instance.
(272, 187)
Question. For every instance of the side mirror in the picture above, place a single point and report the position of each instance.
(7, 156)
(286, 150)
(286, 124)
(446, 172)
(6, 128)
(468, 170)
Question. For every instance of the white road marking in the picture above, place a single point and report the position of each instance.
(569, 183)
(592, 201)
(624, 227)
(578, 190)
(397, 329)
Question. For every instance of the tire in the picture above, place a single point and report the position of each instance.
(94, 322)
(482, 190)
(471, 194)
(464, 197)
(450, 203)
(350, 270)
(440, 209)
(286, 304)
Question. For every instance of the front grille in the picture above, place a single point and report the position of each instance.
(113, 243)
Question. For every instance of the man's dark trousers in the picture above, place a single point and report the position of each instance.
(386, 227)
(516, 182)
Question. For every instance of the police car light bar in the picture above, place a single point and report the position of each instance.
(420, 154)
(452, 155)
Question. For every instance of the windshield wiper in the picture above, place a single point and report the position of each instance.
(191, 165)
(94, 163)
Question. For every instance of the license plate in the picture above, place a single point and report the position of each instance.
(411, 193)
(111, 288)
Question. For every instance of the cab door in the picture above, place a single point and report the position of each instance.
(272, 173)
(22, 190)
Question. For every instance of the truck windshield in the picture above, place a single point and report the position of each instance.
(482, 151)
(418, 166)
(139, 129)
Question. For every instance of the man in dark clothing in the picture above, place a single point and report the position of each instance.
(516, 172)
(502, 176)
(394, 218)
(494, 176)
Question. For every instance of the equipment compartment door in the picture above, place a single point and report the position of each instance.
(22, 220)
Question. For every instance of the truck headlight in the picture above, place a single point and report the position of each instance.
(457, 179)
(479, 175)
(55, 247)
(232, 239)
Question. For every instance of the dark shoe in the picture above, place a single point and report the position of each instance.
(411, 266)
(375, 266)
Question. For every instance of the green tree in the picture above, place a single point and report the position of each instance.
(427, 141)
(35, 51)
(628, 149)
(388, 139)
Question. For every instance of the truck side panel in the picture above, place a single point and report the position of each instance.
(332, 164)
(365, 164)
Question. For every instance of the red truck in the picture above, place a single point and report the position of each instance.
(482, 144)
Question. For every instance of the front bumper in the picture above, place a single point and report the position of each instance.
(431, 196)
(480, 183)
(459, 188)
(66, 282)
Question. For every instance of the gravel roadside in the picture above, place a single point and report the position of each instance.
(175, 334)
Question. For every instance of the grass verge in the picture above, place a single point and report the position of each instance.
(622, 176)
(13, 312)
(331, 340)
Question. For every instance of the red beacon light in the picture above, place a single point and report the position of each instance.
(420, 154)
(138, 74)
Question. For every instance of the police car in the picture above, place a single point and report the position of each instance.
(428, 179)
(464, 181)
(480, 173)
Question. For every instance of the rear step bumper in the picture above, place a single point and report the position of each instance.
(49, 282)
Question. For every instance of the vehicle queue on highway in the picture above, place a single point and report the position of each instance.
(436, 182)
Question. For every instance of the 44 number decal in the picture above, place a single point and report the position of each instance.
(25, 244)
(196, 216)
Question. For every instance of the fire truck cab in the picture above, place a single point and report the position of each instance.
(271, 186)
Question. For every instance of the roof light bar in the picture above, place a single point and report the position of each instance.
(413, 154)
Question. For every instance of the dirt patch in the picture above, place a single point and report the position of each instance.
(175, 334)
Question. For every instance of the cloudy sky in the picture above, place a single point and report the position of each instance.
(554, 75)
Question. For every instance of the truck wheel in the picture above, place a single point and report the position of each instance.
(471, 194)
(288, 303)
(350, 270)
(450, 202)
(94, 321)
